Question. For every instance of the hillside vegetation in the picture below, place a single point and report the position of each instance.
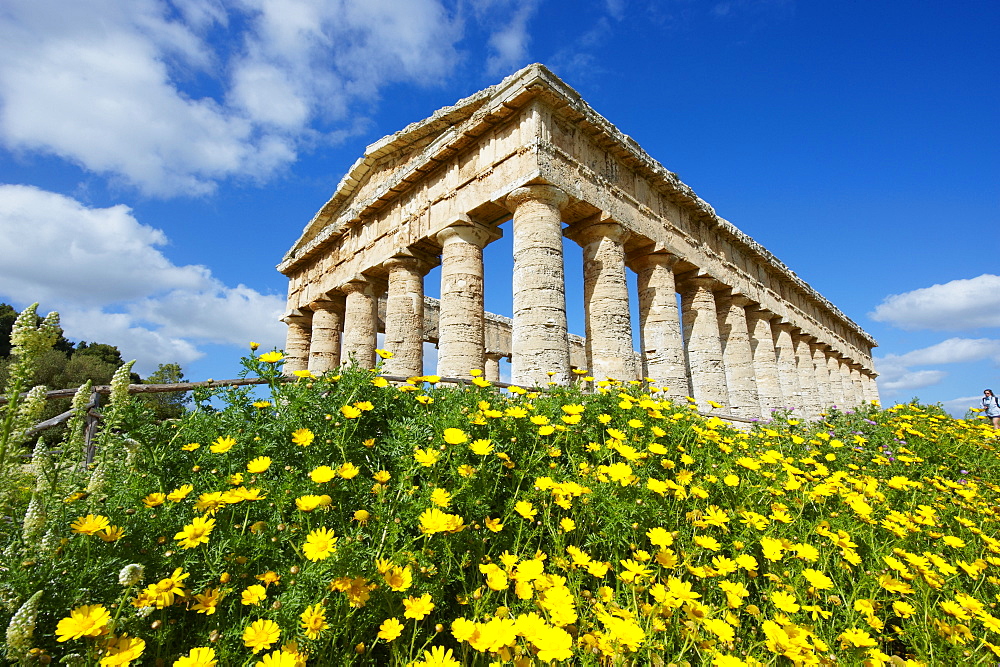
(345, 520)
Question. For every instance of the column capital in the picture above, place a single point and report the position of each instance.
(469, 231)
(639, 261)
(738, 300)
(356, 284)
(301, 317)
(585, 232)
(699, 281)
(548, 194)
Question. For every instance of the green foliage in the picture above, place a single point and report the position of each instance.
(614, 516)
(167, 405)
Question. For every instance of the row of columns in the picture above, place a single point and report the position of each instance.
(720, 346)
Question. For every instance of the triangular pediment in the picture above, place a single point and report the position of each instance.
(393, 163)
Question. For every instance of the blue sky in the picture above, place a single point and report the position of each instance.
(158, 158)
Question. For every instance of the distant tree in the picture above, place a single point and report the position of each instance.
(7, 316)
(108, 354)
(167, 405)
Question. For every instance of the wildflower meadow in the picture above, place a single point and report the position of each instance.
(346, 519)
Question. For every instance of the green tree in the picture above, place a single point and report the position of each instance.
(169, 405)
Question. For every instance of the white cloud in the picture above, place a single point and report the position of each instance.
(509, 43)
(959, 406)
(173, 98)
(104, 272)
(896, 374)
(956, 305)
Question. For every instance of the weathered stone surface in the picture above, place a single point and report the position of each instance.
(297, 342)
(737, 355)
(605, 301)
(360, 322)
(461, 323)
(540, 332)
(531, 148)
(704, 347)
(327, 324)
(404, 316)
(765, 361)
(660, 324)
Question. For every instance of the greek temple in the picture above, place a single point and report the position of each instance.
(719, 317)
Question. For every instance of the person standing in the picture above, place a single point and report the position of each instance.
(991, 406)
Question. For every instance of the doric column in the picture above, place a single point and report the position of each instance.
(871, 388)
(660, 324)
(806, 376)
(605, 302)
(737, 355)
(461, 323)
(297, 342)
(493, 366)
(327, 324)
(539, 337)
(826, 398)
(765, 363)
(836, 383)
(859, 389)
(850, 399)
(404, 316)
(704, 346)
(788, 371)
(360, 322)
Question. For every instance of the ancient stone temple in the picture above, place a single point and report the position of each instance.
(720, 318)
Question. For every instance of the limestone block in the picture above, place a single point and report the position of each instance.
(297, 343)
(765, 361)
(788, 371)
(461, 319)
(807, 377)
(360, 322)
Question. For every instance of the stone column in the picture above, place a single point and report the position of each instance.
(493, 366)
(605, 301)
(297, 342)
(807, 377)
(704, 346)
(360, 322)
(788, 371)
(327, 324)
(850, 399)
(765, 363)
(404, 316)
(822, 377)
(737, 355)
(859, 389)
(660, 324)
(871, 388)
(461, 323)
(836, 384)
(539, 338)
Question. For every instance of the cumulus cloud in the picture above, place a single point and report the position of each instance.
(960, 304)
(897, 373)
(173, 97)
(104, 271)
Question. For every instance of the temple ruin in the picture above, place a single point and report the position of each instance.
(748, 333)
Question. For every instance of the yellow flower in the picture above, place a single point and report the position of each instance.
(322, 474)
(280, 658)
(390, 629)
(261, 404)
(303, 437)
(382, 476)
(439, 656)
(348, 471)
(784, 602)
(481, 447)
(90, 524)
(385, 354)
(261, 634)
(304, 374)
(494, 525)
(320, 544)
(253, 595)
(198, 657)
(180, 494)
(85, 621)
(362, 516)
(856, 637)
(434, 520)
(122, 650)
(259, 464)
(398, 578)
(207, 603)
(270, 358)
(454, 436)
(191, 446)
(350, 412)
(418, 608)
(525, 509)
(112, 533)
(566, 524)
(426, 457)
(154, 499)
(314, 621)
(196, 532)
(660, 537)
(222, 444)
(440, 497)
